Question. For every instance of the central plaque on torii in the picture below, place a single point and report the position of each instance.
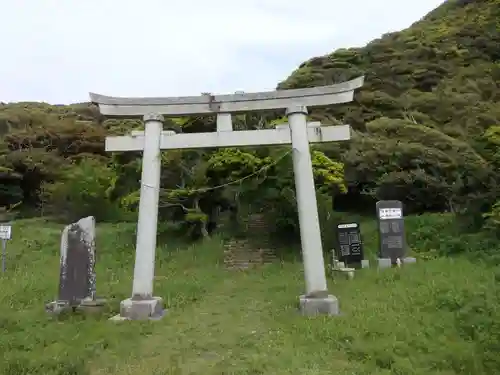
(298, 132)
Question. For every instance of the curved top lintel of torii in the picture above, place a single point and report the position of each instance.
(207, 104)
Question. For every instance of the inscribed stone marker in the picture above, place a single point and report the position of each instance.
(349, 244)
(77, 274)
(392, 244)
(77, 279)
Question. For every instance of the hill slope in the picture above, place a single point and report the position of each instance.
(432, 91)
(453, 53)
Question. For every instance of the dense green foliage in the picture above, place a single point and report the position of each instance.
(426, 132)
(428, 116)
(435, 317)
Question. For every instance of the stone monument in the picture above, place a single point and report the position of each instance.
(350, 245)
(77, 278)
(392, 237)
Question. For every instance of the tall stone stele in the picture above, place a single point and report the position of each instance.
(392, 236)
(77, 277)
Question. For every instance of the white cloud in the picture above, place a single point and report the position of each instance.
(59, 50)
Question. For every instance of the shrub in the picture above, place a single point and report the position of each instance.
(85, 190)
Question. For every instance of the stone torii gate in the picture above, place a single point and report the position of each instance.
(297, 132)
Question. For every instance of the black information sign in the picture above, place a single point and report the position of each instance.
(349, 244)
(391, 230)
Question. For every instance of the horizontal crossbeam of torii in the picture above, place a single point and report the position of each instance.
(297, 132)
(169, 140)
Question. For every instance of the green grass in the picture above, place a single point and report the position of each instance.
(440, 316)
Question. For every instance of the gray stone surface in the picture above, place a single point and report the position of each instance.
(77, 268)
(384, 263)
(77, 278)
(148, 309)
(349, 244)
(312, 306)
(57, 307)
(392, 238)
(409, 260)
(92, 306)
(365, 263)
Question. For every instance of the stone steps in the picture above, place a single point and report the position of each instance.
(252, 251)
(237, 257)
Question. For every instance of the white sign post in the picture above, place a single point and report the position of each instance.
(298, 132)
(5, 235)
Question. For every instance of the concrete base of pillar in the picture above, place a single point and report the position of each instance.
(311, 306)
(150, 309)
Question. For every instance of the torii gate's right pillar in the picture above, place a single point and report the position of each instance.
(316, 300)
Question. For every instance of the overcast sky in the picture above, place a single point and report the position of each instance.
(58, 50)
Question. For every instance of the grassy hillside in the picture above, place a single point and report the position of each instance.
(436, 317)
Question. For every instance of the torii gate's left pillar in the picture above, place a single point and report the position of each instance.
(143, 305)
